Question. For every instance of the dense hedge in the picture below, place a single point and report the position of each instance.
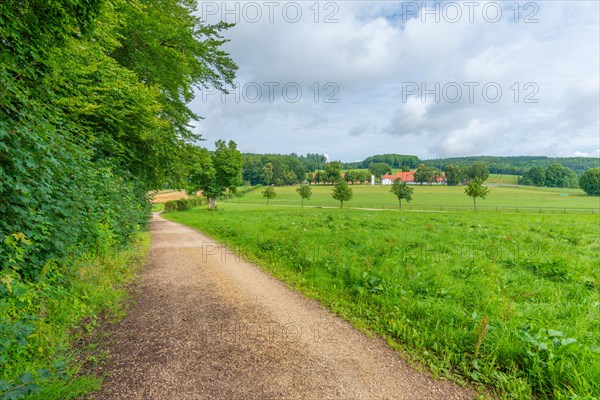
(184, 204)
(87, 128)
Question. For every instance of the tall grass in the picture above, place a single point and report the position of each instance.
(41, 321)
(509, 302)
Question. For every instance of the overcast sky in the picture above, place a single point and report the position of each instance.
(351, 79)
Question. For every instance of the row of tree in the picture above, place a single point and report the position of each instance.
(509, 165)
(343, 192)
(517, 165)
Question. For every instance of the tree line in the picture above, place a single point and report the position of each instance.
(517, 165)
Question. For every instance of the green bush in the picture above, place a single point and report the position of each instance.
(183, 204)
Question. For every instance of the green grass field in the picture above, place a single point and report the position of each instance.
(439, 197)
(511, 303)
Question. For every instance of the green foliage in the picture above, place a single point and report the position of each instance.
(425, 174)
(92, 116)
(476, 189)
(267, 174)
(590, 182)
(535, 176)
(342, 192)
(269, 193)
(333, 170)
(516, 165)
(393, 160)
(478, 171)
(510, 302)
(305, 192)
(38, 318)
(555, 175)
(286, 169)
(402, 192)
(379, 169)
(360, 176)
(454, 174)
(166, 45)
(217, 172)
(183, 204)
(561, 177)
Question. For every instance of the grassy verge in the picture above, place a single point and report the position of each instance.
(512, 303)
(42, 321)
(156, 207)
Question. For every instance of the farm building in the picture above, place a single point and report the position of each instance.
(408, 177)
(404, 177)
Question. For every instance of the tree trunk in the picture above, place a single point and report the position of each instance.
(302, 202)
(211, 203)
(475, 203)
(342, 204)
(400, 204)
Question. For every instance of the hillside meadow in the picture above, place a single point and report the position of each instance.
(510, 303)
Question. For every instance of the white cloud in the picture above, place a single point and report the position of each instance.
(370, 55)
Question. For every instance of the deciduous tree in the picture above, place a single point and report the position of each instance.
(476, 189)
(402, 191)
(305, 191)
(269, 193)
(478, 171)
(266, 175)
(379, 168)
(333, 170)
(342, 192)
(590, 182)
(223, 172)
(454, 174)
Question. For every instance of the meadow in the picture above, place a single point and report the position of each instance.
(440, 197)
(508, 303)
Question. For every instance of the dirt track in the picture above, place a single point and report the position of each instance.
(206, 324)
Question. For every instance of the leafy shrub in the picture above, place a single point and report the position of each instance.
(183, 204)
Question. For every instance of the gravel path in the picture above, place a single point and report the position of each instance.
(208, 325)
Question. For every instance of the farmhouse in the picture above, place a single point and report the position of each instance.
(408, 177)
(403, 176)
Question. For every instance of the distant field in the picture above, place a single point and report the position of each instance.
(502, 179)
(367, 196)
(167, 195)
(508, 300)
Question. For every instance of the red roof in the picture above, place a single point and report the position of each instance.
(408, 177)
(403, 176)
